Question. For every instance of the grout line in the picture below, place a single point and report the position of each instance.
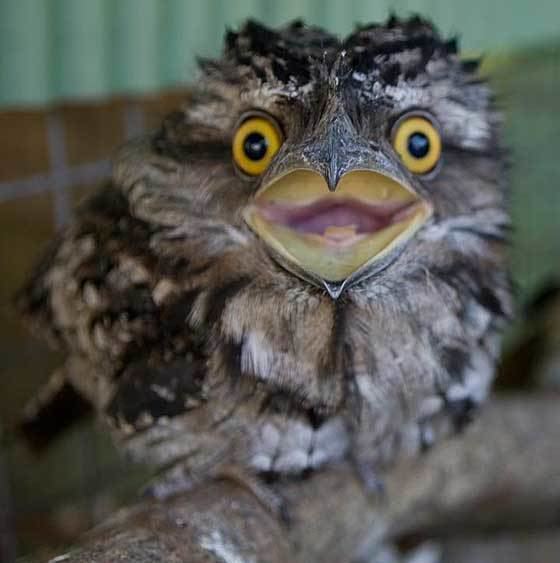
(59, 169)
(90, 172)
(79, 175)
(62, 177)
(25, 187)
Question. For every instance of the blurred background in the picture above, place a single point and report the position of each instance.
(79, 77)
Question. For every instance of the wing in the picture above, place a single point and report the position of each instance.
(103, 295)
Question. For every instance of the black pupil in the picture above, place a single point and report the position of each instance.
(255, 146)
(418, 145)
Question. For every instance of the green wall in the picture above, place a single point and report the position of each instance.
(51, 49)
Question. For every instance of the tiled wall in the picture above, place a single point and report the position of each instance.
(52, 150)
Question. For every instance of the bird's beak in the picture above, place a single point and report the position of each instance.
(333, 234)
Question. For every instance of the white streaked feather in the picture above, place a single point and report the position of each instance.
(216, 544)
(257, 357)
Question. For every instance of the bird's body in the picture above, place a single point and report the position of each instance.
(196, 317)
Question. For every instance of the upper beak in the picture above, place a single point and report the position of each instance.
(333, 235)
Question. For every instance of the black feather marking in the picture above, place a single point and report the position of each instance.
(285, 403)
(135, 301)
(354, 398)
(217, 298)
(175, 139)
(230, 354)
(469, 281)
(368, 43)
(393, 21)
(454, 360)
(289, 50)
(94, 270)
(163, 391)
(333, 358)
(200, 269)
(417, 30)
(501, 235)
(390, 73)
(281, 70)
(169, 265)
(281, 402)
(174, 315)
(208, 150)
(488, 299)
(471, 66)
(298, 54)
(461, 412)
(109, 203)
(182, 148)
(316, 419)
(452, 46)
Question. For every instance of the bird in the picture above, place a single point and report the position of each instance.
(305, 264)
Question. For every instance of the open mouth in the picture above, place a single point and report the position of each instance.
(338, 221)
(334, 234)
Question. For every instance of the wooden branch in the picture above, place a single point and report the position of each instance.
(503, 472)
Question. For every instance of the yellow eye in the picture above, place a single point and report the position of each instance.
(418, 143)
(255, 143)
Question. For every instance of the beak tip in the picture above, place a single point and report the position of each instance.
(332, 176)
(334, 289)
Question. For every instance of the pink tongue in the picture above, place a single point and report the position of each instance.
(340, 216)
(320, 216)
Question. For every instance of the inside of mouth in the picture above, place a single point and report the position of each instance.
(336, 218)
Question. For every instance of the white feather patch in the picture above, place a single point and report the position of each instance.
(257, 357)
(214, 543)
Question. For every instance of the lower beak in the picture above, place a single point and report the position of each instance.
(334, 235)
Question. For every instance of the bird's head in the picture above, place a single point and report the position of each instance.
(338, 156)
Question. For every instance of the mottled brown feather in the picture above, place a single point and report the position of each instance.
(200, 348)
